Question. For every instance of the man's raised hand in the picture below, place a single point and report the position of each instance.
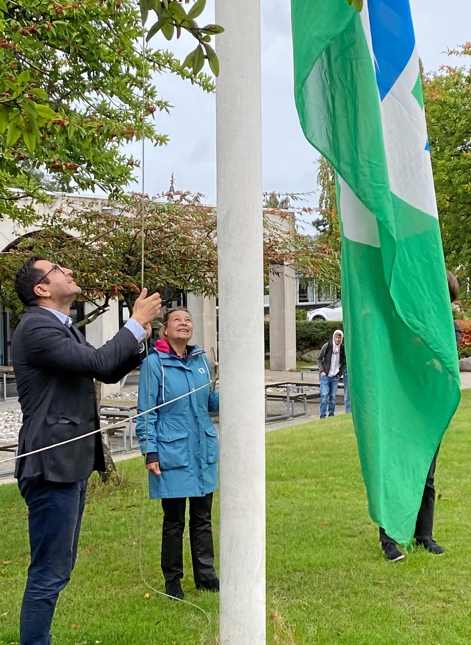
(146, 308)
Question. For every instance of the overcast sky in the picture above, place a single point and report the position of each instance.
(288, 160)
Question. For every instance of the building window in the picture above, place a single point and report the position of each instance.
(324, 294)
(306, 293)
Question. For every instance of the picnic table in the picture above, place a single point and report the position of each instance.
(288, 392)
(309, 370)
(10, 465)
(9, 446)
(8, 377)
(114, 410)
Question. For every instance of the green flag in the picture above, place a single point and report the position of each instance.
(359, 99)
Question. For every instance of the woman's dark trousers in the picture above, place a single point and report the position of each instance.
(424, 523)
(201, 538)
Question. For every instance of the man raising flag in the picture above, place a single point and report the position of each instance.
(359, 99)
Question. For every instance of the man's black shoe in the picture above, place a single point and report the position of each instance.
(209, 585)
(392, 552)
(430, 545)
(174, 589)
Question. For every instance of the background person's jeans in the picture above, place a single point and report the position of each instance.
(329, 386)
(55, 514)
(346, 392)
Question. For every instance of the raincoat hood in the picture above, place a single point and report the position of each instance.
(335, 347)
(162, 345)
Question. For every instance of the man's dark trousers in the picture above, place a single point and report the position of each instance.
(425, 516)
(55, 515)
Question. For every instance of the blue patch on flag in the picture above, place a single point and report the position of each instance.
(393, 40)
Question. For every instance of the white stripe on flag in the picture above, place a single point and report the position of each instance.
(359, 224)
(405, 138)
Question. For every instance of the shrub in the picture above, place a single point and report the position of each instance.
(312, 335)
(464, 352)
(309, 335)
(465, 340)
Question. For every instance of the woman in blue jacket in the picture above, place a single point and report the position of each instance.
(180, 445)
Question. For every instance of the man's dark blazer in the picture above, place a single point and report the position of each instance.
(54, 368)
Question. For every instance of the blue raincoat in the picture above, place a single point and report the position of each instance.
(181, 433)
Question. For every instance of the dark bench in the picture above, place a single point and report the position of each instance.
(8, 447)
(290, 395)
(9, 466)
(8, 379)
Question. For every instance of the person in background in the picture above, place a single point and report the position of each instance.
(424, 525)
(54, 369)
(331, 363)
(346, 392)
(180, 446)
(453, 288)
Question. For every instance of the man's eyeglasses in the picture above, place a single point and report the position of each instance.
(55, 267)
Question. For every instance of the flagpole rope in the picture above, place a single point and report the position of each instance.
(149, 409)
(107, 428)
(143, 153)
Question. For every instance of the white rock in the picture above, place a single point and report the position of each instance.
(465, 365)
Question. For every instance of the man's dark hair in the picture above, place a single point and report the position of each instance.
(27, 278)
(453, 285)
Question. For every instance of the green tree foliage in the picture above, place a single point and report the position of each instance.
(75, 87)
(103, 245)
(447, 96)
(172, 18)
(276, 200)
(327, 222)
(358, 4)
(310, 256)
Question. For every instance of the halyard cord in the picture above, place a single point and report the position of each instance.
(146, 351)
(114, 425)
(143, 207)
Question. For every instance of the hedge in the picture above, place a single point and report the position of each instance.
(309, 335)
(312, 335)
(464, 349)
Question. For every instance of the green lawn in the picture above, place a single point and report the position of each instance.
(327, 579)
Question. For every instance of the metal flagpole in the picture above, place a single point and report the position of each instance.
(241, 356)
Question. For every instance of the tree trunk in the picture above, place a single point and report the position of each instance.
(110, 475)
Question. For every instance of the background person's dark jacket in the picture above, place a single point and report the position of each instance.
(325, 355)
(54, 368)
